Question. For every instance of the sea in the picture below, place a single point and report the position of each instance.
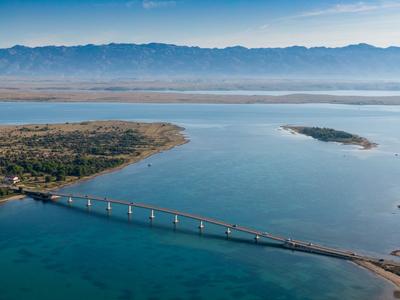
(360, 93)
(238, 166)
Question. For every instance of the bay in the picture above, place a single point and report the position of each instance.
(238, 167)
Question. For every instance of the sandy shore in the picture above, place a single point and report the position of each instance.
(142, 156)
(155, 130)
(168, 91)
(9, 95)
(162, 90)
(395, 253)
(72, 182)
(356, 140)
(179, 140)
(13, 197)
(393, 278)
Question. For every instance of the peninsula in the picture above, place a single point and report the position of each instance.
(52, 155)
(190, 91)
(332, 135)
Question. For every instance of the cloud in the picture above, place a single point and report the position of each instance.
(353, 8)
(350, 8)
(150, 4)
(129, 4)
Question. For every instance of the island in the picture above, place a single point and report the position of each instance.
(332, 135)
(48, 156)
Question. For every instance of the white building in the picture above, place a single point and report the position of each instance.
(11, 179)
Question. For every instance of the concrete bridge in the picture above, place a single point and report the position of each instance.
(229, 228)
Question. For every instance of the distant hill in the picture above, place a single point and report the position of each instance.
(158, 60)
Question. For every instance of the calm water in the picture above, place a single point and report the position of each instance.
(238, 167)
(371, 93)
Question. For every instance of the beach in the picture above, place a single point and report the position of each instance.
(393, 278)
(171, 97)
(220, 175)
(169, 134)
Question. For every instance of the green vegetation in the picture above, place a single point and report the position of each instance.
(328, 134)
(68, 154)
(332, 135)
(5, 192)
(45, 155)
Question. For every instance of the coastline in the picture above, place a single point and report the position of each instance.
(378, 271)
(355, 140)
(29, 95)
(143, 155)
(13, 197)
(393, 278)
(132, 161)
(389, 276)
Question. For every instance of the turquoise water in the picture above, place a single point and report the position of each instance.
(238, 167)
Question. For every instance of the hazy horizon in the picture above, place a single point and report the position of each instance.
(209, 24)
(197, 46)
(348, 39)
(155, 60)
(253, 147)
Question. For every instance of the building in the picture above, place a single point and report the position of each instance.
(11, 179)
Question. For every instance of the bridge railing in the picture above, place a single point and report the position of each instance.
(296, 245)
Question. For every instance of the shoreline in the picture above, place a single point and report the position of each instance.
(362, 142)
(377, 270)
(13, 197)
(146, 97)
(86, 178)
(145, 154)
(124, 165)
(382, 273)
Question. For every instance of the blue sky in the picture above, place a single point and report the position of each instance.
(205, 23)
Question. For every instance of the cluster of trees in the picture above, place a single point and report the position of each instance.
(94, 143)
(57, 168)
(55, 156)
(5, 192)
(327, 134)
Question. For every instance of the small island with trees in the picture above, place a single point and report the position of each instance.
(332, 135)
(52, 155)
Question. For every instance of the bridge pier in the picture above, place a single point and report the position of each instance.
(295, 245)
(201, 226)
(152, 216)
(176, 221)
(88, 203)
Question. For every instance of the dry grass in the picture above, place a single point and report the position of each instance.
(152, 138)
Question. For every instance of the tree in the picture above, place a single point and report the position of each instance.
(60, 177)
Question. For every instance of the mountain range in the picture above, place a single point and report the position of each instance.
(165, 60)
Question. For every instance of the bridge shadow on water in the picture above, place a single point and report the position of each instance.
(129, 221)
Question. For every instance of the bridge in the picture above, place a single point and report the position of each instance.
(296, 245)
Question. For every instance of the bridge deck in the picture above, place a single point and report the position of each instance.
(288, 243)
